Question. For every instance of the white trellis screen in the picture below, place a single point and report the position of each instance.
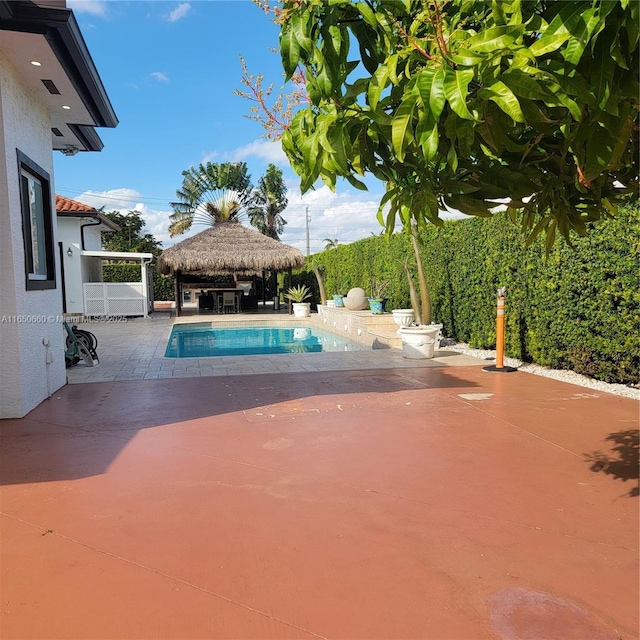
(114, 299)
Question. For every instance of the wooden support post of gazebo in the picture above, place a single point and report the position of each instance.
(178, 291)
(289, 287)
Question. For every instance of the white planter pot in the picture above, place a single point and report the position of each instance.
(433, 325)
(301, 309)
(403, 317)
(418, 342)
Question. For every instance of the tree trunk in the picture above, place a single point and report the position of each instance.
(425, 298)
(323, 293)
(415, 302)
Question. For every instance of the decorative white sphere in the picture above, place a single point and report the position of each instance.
(356, 299)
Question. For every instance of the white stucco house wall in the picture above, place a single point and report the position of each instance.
(51, 99)
(80, 229)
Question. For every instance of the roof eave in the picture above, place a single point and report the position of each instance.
(61, 31)
(112, 226)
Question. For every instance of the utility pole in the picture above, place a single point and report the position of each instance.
(307, 221)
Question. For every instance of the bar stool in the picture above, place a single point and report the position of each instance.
(229, 301)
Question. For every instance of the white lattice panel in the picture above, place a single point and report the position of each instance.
(114, 299)
(126, 290)
(93, 290)
(95, 307)
(126, 307)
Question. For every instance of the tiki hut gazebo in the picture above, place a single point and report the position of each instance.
(226, 248)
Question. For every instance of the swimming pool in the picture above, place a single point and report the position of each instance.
(202, 340)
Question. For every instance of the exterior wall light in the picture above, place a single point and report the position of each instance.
(70, 252)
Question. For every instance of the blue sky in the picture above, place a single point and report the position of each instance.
(170, 70)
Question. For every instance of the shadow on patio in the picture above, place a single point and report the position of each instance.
(70, 427)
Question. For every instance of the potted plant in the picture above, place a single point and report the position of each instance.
(298, 295)
(420, 338)
(376, 301)
(337, 297)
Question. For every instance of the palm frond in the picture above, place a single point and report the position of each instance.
(211, 193)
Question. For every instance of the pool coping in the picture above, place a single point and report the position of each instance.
(268, 324)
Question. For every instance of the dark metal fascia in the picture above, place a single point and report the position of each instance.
(87, 136)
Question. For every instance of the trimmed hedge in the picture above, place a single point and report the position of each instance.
(578, 308)
(163, 287)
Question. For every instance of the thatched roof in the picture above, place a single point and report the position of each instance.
(228, 247)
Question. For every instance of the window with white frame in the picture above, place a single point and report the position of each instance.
(35, 200)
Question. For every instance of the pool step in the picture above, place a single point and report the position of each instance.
(378, 330)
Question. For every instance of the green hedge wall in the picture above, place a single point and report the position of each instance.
(578, 308)
(163, 288)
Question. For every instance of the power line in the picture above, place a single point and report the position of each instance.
(141, 197)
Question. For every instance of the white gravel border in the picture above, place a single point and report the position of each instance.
(565, 376)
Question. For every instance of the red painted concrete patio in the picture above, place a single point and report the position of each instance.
(437, 503)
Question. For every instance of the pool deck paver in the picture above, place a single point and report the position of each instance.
(409, 502)
(127, 348)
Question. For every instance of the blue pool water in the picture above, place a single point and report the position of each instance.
(201, 340)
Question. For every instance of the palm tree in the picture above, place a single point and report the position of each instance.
(268, 201)
(211, 193)
(330, 243)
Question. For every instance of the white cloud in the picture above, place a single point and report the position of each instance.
(346, 215)
(124, 200)
(264, 149)
(208, 157)
(179, 12)
(159, 76)
(114, 199)
(94, 7)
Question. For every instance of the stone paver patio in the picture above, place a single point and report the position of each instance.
(134, 350)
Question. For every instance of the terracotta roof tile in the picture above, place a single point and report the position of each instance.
(68, 205)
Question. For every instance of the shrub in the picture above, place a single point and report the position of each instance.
(577, 308)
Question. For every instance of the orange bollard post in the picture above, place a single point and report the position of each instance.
(500, 330)
(499, 365)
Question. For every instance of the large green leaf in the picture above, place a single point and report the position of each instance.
(339, 148)
(358, 184)
(523, 85)
(495, 38)
(289, 49)
(401, 125)
(505, 99)
(368, 14)
(470, 206)
(561, 28)
(548, 44)
(299, 29)
(427, 136)
(466, 58)
(377, 84)
(430, 86)
(456, 85)
(581, 33)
